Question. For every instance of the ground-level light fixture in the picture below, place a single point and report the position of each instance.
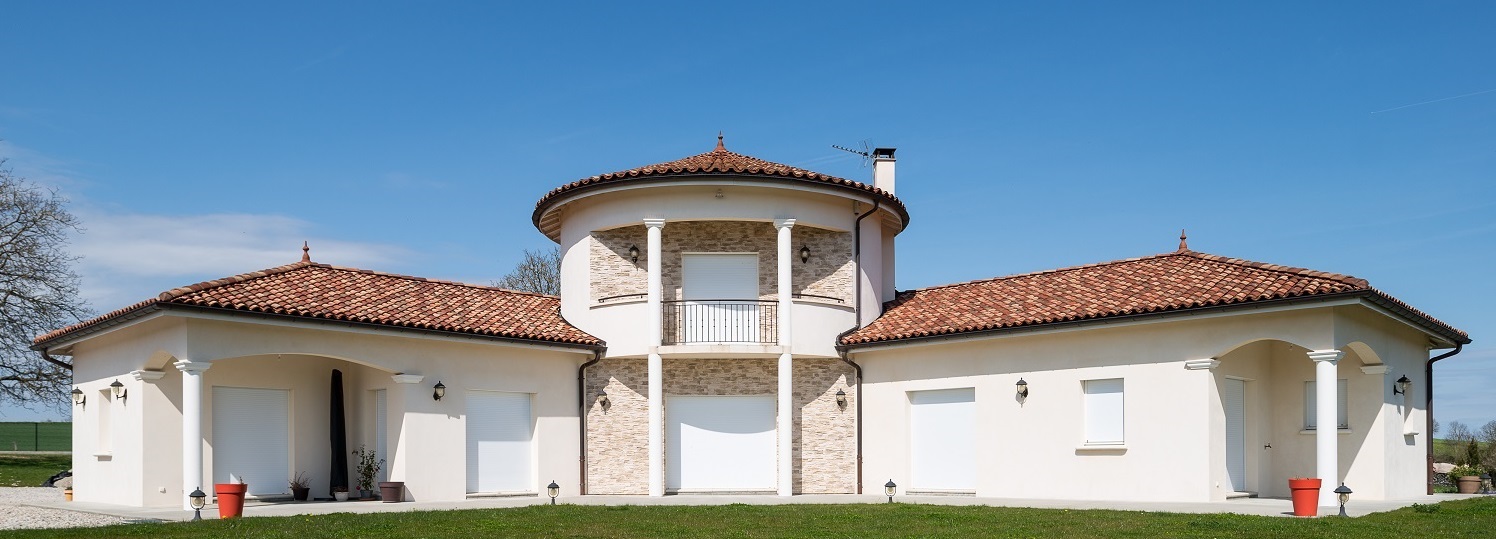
(1344, 494)
(804, 253)
(197, 499)
(118, 389)
(553, 490)
(1400, 387)
(890, 489)
(841, 399)
(438, 391)
(634, 253)
(78, 396)
(1485, 483)
(1022, 389)
(602, 400)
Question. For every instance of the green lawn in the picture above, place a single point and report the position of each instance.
(31, 470)
(36, 436)
(1463, 518)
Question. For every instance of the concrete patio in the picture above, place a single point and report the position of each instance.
(1244, 506)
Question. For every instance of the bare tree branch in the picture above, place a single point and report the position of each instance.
(539, 272)
(38, 291)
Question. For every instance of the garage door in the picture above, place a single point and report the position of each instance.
(720, 443)
(498, 442)
(251, 438)
(943, 440)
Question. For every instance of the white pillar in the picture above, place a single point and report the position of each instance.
(192, 429)
(656, 364)
(1326, 418)
(786, 425)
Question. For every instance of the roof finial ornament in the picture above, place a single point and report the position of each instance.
(1183, 244)
(719, 142)
(306, 252)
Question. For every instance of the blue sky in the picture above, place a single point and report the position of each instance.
(198, 140)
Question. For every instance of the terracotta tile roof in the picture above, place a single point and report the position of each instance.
(320, 291)
(717, 161)
(1169, 282)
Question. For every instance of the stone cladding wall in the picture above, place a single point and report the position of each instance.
(827, 273)
(618, 438)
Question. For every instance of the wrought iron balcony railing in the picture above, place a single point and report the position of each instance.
(720, 321)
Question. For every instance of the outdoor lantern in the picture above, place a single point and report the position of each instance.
(841, 399)
(553, 490)
(634, 253)
(198, 499)
(1345, 495)
(602, 400)
(118, 389)
(438, 391)
(804, 253)
(78, 396)
(1401, 386)
(1022, 389)
(1485, 483)
(889, 488)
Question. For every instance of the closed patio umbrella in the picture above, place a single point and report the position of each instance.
(338, 435)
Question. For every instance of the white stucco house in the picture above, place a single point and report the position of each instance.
(728, 324)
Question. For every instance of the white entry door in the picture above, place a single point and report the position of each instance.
(719, 291)
(251, 438)
(1233, 397)
(942, 425)
(720, 443)
(499, 442)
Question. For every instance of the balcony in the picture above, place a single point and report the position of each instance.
(720, 321)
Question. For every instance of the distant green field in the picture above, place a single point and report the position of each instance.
(36, 436)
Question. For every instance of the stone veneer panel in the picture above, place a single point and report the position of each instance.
(827, 273)
(617, 439)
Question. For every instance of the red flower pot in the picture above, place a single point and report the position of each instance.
(1305, 496)
(230, 499)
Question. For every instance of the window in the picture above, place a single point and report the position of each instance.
(1311, 417)
(1104, 413)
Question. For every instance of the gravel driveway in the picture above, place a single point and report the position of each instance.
(14, 515)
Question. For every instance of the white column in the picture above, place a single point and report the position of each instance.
(786, 425)
(192, 429)
(656, 365)
(1326, 418)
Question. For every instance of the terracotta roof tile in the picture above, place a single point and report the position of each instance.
(718, 161)
(321, 291)
(1169, 282)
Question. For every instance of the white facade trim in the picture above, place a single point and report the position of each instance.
(408, 378)
(1374, 369)
(1202, 364)
(146, 376)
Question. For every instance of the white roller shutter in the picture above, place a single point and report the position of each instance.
(381, 432)
(499, 442)
(251, 438)
(1105, 411)
(718, 289)
(1233, 395)
(720, 442)
(1311, 403)
(942, 430)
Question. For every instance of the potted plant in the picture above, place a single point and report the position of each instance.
(1467, 477)
(369, 464)
(1305, 491)
(300, 487)
(340, 494)
(230, 497)
(67, 494)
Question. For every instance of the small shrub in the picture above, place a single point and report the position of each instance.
(1425, 508)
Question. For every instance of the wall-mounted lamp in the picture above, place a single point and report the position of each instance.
(602, 400)
(890, 489)
(1344, 494)
(79, 397)
(197, 499)
(438, 391)
(1022, 389)
(804, 253)
(553, 490)
(841, 399)
(1400, 387)
(634, 254)
(118, 389)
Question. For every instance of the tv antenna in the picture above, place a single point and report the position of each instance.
(866, 152)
